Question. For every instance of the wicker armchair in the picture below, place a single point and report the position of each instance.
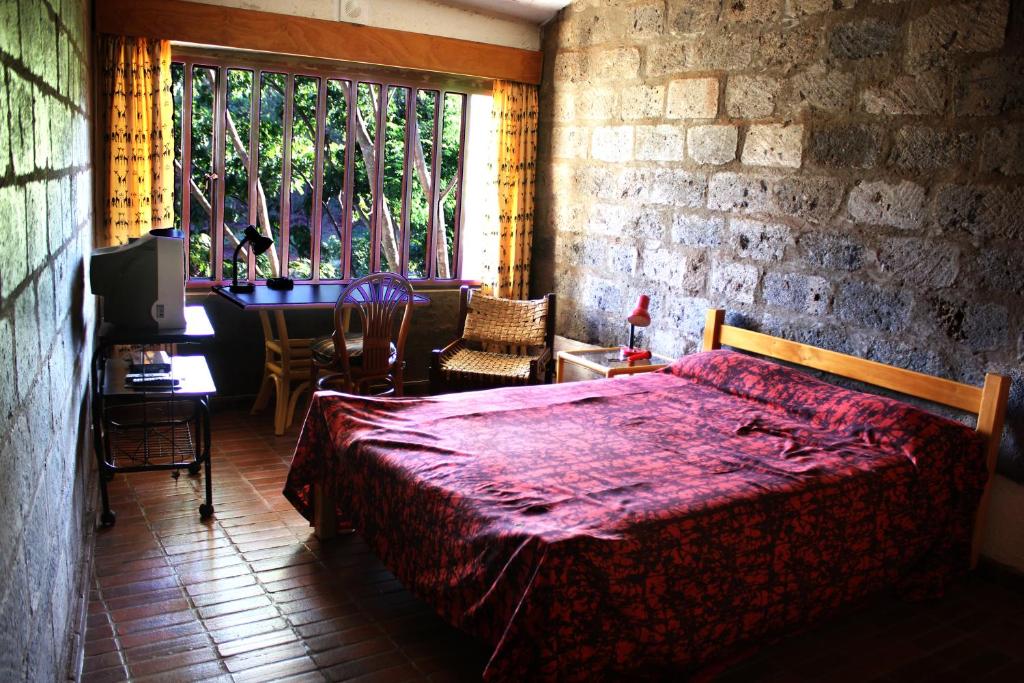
(501, 342)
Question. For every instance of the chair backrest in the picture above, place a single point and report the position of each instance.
(377, 298)
(516, 324)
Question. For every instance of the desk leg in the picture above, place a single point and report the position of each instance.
(559, 369)
(206, 509)
(325, 523)
(267, 383)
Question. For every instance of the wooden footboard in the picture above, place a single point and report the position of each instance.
(987, 402)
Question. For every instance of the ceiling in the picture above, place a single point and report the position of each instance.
(534, 11)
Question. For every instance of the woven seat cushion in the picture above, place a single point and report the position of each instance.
(483, 363)
(323, 349)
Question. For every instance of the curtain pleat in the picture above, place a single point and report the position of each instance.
(515, 110)
(138, 138)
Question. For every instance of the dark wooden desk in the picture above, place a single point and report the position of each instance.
(288, 360)
(302, 296)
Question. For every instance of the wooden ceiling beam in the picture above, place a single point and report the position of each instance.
(193, 22)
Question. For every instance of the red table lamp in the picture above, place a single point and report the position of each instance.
(640, 317)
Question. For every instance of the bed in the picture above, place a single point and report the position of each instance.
(641, 527)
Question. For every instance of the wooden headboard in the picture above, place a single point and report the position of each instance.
(988, 402)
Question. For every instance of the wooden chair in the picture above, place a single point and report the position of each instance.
(354, 362)
(287, 371)
(501, 342)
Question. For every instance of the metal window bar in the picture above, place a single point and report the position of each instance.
(286, 173)
(316, 205)
(315, 68)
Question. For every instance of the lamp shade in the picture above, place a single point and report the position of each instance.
(259, 242)
(640, 317)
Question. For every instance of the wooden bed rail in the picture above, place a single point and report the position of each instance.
(987, 402)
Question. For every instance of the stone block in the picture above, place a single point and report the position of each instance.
(47, 307)
(920, 148)
(900, 205)
(1002, 150)
(758, 240)
(696, 230)
(824, 89)
(571, 67)
(607, 219)
(642, 102)
(622, 258)
(990, 87)
(720, 50)
(8, 385)
(892, 352)
(35, 224)
(797, 292)
(648, 223)
(677, 187)
(756, 11)
(10, 38)
(15, 615)
(612, 143)
(738, 192)
(998, 269)
(866, 38)
(922, 264)
(595, 28)
(803, 8)
(868, 305)
(563, 106)
(660, 143)
(678, 271)
(665, 58)
(834, 338)
(735, 282)
(920, 94)
(692, 16)
(953, 28)
(829, 251)
(789, 48)
(985, 211)
(774, 145)
(14, 255)
(692, 98)
(41, 127)
(570, 142)
(22, 128)
(615, 64)
(751, 97)
(714, 145)
(38, 40)
(981, 326)
(596, 105)
(811, 198)
(855, 145)
(26, 335)
(5, 133)
(646, 22)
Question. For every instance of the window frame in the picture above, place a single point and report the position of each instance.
(350, 75)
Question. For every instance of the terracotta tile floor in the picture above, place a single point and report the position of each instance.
(252, 596)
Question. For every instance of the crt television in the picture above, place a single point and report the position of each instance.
(143, 282)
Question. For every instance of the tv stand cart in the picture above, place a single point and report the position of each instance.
(156, 427)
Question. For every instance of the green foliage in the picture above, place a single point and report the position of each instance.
(303, 151)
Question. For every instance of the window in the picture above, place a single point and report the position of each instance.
(348, 172)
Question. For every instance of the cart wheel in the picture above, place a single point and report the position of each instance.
(107, 518)
(205, 511)
(193, 469)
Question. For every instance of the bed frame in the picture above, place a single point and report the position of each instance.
(987, 402)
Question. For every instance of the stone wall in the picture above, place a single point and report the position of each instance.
(846, 173)
(45, 332)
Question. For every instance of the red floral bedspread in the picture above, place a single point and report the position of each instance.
(641, 526)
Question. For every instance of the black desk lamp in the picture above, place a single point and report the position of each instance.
(259, 244)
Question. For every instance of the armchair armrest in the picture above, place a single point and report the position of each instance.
(540, 366)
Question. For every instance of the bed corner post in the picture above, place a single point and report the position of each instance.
(713, 329)
(991, 414)
(325, 523)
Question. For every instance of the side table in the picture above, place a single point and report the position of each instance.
(606, 362)
(155, 428)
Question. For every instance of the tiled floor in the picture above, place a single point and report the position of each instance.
(252, 596)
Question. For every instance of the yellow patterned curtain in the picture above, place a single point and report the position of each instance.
(515, 111)
(138, 139)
